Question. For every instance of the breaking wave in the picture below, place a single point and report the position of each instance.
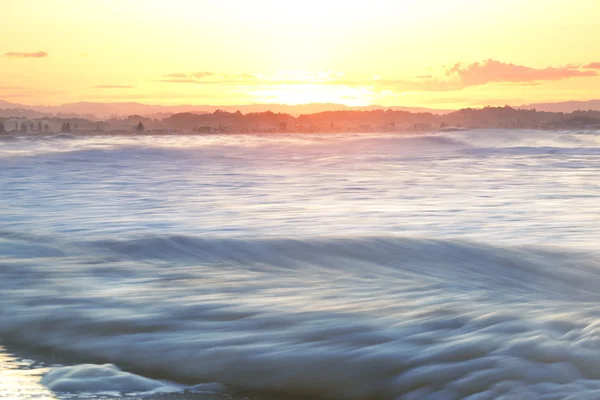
(311, 146)
(89, 378)
(348, 318)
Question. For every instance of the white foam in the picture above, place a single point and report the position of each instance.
(107, 378)
(342, 318)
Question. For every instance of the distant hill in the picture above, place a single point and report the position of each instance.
(96, 110)
(6, 104)
(565, 106)
(345, 120)
(104, 110)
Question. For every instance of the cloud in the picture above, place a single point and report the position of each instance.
(222, 81)
(18, 93)
(113, 87)
(492, 71)
(537, 83)
(244, 79)
(456, 77)
(165, 95)
(461, 76)
(200, 75)
(14, 54)
(208, 78)
(181, 81)
(196, 75)
(594, 65)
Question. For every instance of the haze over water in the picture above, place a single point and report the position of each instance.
(353, 266)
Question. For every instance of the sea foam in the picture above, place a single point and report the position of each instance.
(102, 378)
(346, 318)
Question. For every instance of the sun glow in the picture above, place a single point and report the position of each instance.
(156, 51)
(315, 93)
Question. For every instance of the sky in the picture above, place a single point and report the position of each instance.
(417, 53)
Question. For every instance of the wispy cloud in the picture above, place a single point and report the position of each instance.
(491, 71)
(20, 92)
(200, 75)
(456, 77)
(114, 87)
(16, 54)
(462, 76)
(209, 78)
(192, 75)
(175, 75)
(181, 81)
(594, 65)
(245, 79)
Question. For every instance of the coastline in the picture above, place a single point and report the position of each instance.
(182, 133)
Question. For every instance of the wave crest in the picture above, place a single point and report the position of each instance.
(347, 318)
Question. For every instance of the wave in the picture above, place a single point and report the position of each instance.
(535, 151)
(346, 318)
(301, 147)
(472, 261)
(67, 136)
(427, 141)
(89, 378)
(245, 146)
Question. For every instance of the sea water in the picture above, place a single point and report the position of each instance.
(444, 265)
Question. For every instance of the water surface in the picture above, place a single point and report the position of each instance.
(371, 266)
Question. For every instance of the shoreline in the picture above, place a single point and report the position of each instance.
(192, 133)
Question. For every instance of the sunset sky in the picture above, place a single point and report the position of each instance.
(425, 53)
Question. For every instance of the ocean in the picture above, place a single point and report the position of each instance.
(451, 265)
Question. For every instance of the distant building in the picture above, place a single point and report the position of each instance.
(23, 124)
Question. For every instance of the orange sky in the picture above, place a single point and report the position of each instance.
(427, 53)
